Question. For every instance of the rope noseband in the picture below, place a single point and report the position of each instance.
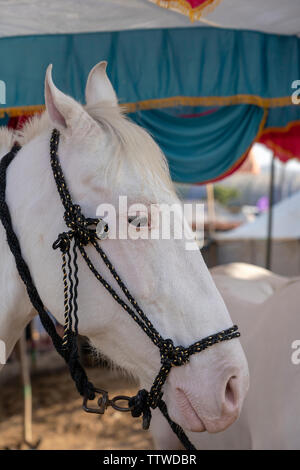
(82, 232)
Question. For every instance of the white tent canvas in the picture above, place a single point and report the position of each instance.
(286, 223)
(28, 17)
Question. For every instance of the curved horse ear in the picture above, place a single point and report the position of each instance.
(62, 109)
(98, 87)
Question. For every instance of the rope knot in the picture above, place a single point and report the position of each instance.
(140, 406)
(171, 355)
(79, 224)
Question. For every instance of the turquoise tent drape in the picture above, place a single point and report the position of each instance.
(243, 73)
(155, 64)
(198, 148)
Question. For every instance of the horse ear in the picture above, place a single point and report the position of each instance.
(62, 109)
(98, 86)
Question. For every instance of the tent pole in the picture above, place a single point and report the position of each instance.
(211, 209)
(270, 215)
(211, 216)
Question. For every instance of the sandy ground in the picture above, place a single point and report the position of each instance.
(58, 419)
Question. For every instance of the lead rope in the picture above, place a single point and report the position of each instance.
(81, 234)
(70, 355)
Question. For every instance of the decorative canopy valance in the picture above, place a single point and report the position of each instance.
(205, 94)
(194, 9)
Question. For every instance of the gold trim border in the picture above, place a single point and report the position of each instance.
(22, 110)
(208, 101)
(277, 148)
(182, 6)
(173, 101)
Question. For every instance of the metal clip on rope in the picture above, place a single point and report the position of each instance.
(104, 402)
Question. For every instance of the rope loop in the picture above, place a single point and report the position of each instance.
(63, 241)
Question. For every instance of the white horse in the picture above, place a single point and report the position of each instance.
(266, 307)
(103, 156)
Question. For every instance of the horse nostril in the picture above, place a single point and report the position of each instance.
(231, 393)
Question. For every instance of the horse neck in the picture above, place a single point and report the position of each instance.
(15, 308)
(25, 174)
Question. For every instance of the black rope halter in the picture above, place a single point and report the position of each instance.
(82, 232)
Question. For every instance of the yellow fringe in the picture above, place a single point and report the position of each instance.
(182, 6)
(207, 101)
(21, 110)
(170, 102)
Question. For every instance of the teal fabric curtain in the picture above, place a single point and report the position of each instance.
(201, 148)
(153, 64)
(187, 66)
(281, 117)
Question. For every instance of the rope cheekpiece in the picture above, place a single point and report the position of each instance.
(79, 235)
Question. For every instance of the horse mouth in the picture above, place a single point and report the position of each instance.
(190, 420)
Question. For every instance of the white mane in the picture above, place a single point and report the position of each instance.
(36, 125)
(7, 138)
(128, 138)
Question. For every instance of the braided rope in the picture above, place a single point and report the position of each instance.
(66, 300)
(70, 355)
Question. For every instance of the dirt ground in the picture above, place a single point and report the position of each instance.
(58, 419)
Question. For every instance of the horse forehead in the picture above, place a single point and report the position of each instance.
(135, 190)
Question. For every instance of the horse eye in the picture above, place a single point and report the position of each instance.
(138, 221)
